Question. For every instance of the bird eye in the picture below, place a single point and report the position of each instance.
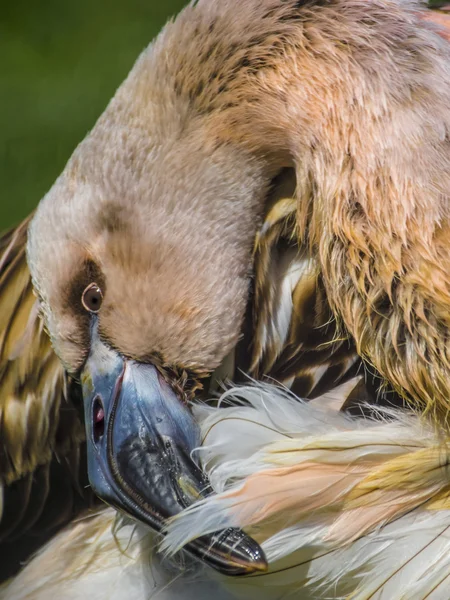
(92, 298)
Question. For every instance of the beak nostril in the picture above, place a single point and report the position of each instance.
(98, 417)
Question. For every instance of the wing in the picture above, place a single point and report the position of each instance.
(290, 332)
(40, 427)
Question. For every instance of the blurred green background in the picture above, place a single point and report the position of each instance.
(60, 62)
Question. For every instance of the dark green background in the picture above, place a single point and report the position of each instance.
(60, 62)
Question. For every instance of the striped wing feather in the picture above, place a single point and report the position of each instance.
(40, 428)
(294, 337)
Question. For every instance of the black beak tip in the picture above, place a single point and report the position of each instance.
(232, 552)
(255, 564)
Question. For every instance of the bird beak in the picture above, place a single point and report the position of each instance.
(140, 438)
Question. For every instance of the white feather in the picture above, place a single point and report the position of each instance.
(285, 431)
(266, 428)
(92, 558)
(298, 269)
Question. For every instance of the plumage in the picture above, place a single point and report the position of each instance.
(318, 553)
(40, 428)
(95, 557)
(295, 339)
(265, 196)
(311, 490)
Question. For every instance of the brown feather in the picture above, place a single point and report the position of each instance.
(31, 376)
(315, 354)
(40, 427)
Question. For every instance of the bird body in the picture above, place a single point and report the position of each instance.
(268, 194)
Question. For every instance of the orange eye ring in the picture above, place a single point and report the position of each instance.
(92, 298)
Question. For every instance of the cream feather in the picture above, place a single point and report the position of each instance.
(95, 558)
(344, 508)
(372, 496)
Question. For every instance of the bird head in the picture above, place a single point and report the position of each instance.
(140, 256)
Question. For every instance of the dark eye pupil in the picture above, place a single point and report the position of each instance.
(92, 298)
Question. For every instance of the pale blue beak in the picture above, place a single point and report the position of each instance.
(140, 439)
